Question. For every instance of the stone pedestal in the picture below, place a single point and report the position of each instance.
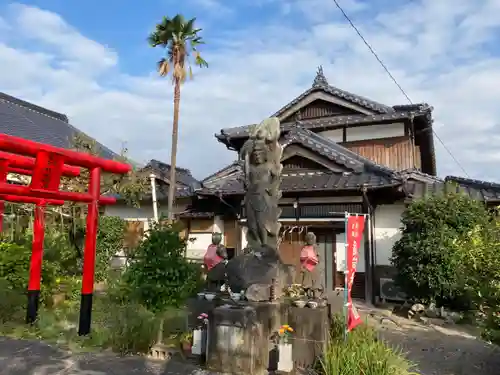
(239, 337)
(311, 334)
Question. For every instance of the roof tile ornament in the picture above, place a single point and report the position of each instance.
(320, 79)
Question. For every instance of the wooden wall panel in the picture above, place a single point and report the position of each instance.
(134, 233)
(231, 233)
(201, 225)
(395, 153)
(320, 108)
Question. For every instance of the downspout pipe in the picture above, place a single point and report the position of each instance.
(152, 177)
(370, 261)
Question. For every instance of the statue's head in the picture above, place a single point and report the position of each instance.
(310, 238)
(216, 238)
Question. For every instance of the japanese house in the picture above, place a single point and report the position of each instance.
(342, 153)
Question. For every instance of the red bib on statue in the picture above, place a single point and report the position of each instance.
(211, 259)
(308, 257)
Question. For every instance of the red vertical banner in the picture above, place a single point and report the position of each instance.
(355, 228)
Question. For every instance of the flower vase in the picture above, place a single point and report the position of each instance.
(285, 360)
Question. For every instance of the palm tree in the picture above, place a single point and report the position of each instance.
(180, 38)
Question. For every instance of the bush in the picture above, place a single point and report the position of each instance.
(480, 264)
(425, 256)
(14, 270)
(110, 236)
(131, 329)
(363, 354)
(12, 303)
(159, 272)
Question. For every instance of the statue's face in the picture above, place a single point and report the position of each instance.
(310, 238)
(259, 155)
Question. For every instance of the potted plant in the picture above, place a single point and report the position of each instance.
(285, 360)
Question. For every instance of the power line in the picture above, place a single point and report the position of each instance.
(394, 80)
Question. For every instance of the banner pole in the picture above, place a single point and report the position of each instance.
(346, 291)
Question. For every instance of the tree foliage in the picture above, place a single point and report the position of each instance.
(425, 255)
(159, 272)
(479, 263)
(130, 186)
(181, 40)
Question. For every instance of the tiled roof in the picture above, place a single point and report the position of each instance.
(489, 191)
(326, 123)
(360, 172)
(182, 175)
(476, 189)
(29, 121)
(305, 181)
(321, 84)
(231, 168)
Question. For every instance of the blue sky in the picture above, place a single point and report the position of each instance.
(91, 61)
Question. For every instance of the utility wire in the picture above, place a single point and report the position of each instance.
(394, 80)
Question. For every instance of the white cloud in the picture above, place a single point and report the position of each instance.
(439, 51)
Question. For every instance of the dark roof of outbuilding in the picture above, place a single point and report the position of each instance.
(26, 120)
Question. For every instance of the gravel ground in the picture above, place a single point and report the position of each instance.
(438, 348)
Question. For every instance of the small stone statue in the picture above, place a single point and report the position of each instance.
(215, 260)
(310, 275)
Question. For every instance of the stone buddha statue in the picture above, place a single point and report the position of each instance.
(215, 260)
(310, 275)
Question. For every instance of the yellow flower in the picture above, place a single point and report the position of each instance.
(285, 326)
(290, 329)
(281, 331)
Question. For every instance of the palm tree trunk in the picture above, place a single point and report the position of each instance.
(173, 157)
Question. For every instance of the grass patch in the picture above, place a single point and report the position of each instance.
(124, 328)
(362, 353)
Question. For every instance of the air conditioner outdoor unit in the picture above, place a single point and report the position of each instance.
(389, 291)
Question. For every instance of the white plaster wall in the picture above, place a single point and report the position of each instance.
(375, 132)
(196, 249)
(219, 226)
(144, 212)
(340, 254)
(336, 135)
(387, 231)
(244, 241)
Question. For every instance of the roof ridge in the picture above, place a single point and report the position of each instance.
(234, 163)
(57, 116)
(326, 122)
(471, 181)
(34, 107)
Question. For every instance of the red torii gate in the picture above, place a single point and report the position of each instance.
(10, 163)
(49, 165)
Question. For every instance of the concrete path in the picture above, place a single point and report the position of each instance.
(438, 348)
(19, 357)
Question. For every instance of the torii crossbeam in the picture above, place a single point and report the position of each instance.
(47, 164)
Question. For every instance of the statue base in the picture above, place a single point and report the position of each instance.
(256, 271)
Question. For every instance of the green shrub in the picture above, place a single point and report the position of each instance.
(159, 272)
(480, 266)
(110, 236)
(425, 256)
(12, 303)
(362, 353)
